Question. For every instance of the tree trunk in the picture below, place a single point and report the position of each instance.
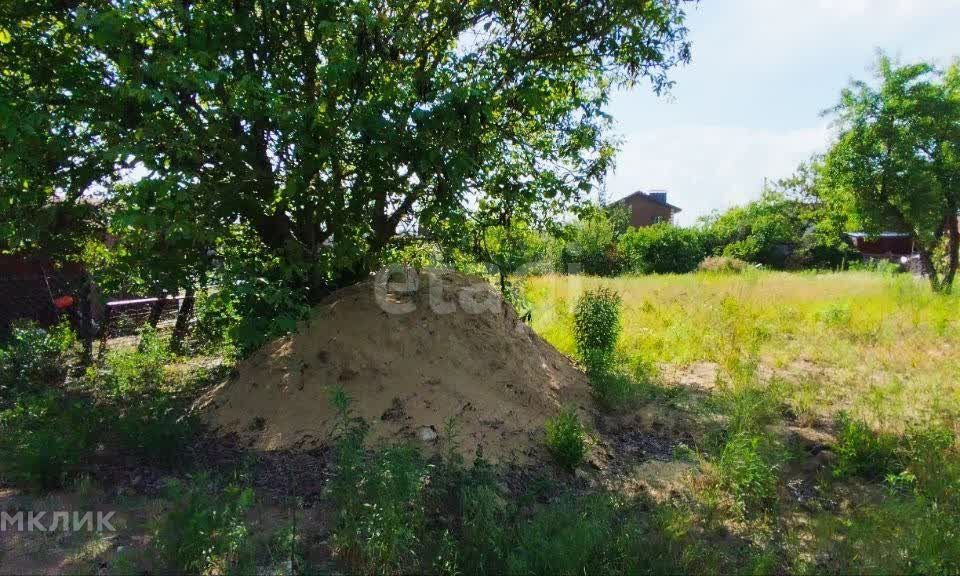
(182, 325)
(156, 309)
(953, 245)
(926, 262)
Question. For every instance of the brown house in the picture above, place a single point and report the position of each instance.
(648, 208)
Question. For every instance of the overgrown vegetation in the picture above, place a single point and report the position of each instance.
(566, 438)
(205, 531)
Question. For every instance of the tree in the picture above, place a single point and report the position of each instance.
(325, 127)
(896, 158)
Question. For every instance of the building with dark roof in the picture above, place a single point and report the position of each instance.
(648, 208)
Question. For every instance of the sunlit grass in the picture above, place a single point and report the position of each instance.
(881, 346)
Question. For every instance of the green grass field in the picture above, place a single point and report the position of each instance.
(882, 347)
(823, 410)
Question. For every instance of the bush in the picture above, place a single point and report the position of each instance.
(591, 246)
(34, 358)
(722, 265)
(566, 438)
(662, 249)
(205, 531)
(596, 319)
(863, 452)
(45, 438)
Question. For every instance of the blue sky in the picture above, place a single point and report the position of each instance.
(748, 106)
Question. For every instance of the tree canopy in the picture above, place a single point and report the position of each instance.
(897, 158)
(324, 127)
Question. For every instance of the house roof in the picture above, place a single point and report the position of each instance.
(642, 194)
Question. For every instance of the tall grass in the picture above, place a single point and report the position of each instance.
(868, 334)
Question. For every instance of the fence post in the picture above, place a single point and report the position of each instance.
(105, 329)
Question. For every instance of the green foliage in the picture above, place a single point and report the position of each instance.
(379, 500)
(863, 452)
(324, 129)
(566, 438)
(895, 163)
(662, 249)
(46, 438)
(722, 265)
(590, 246)
(596, 328)
(747, 468)
(34, 358)
(146, 419)
(913, 530)
(126, 373)
(618, 389)
(205, 531)
(257, 296)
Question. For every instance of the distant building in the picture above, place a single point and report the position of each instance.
(883, 245)
(648, 208)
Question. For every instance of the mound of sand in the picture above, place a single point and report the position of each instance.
(413, 353)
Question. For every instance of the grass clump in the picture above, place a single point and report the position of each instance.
(566, 438)
(205, 531)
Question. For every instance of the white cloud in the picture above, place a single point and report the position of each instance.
(710, 167)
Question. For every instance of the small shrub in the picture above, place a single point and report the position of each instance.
(662, 249)
(34, 357)
(566, 438)
(597, 327)
(722, 265)
(863, 452)
(747, 469)
(45, 438)
(205, 531)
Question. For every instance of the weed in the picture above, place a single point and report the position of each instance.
(747, 469)
(864, 452)
(155, 428)
(380, 500)
(127, 373)
(566, 438)
(205, 531)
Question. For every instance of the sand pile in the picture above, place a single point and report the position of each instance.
(412, 352)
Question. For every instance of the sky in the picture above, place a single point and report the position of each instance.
(749, 104)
